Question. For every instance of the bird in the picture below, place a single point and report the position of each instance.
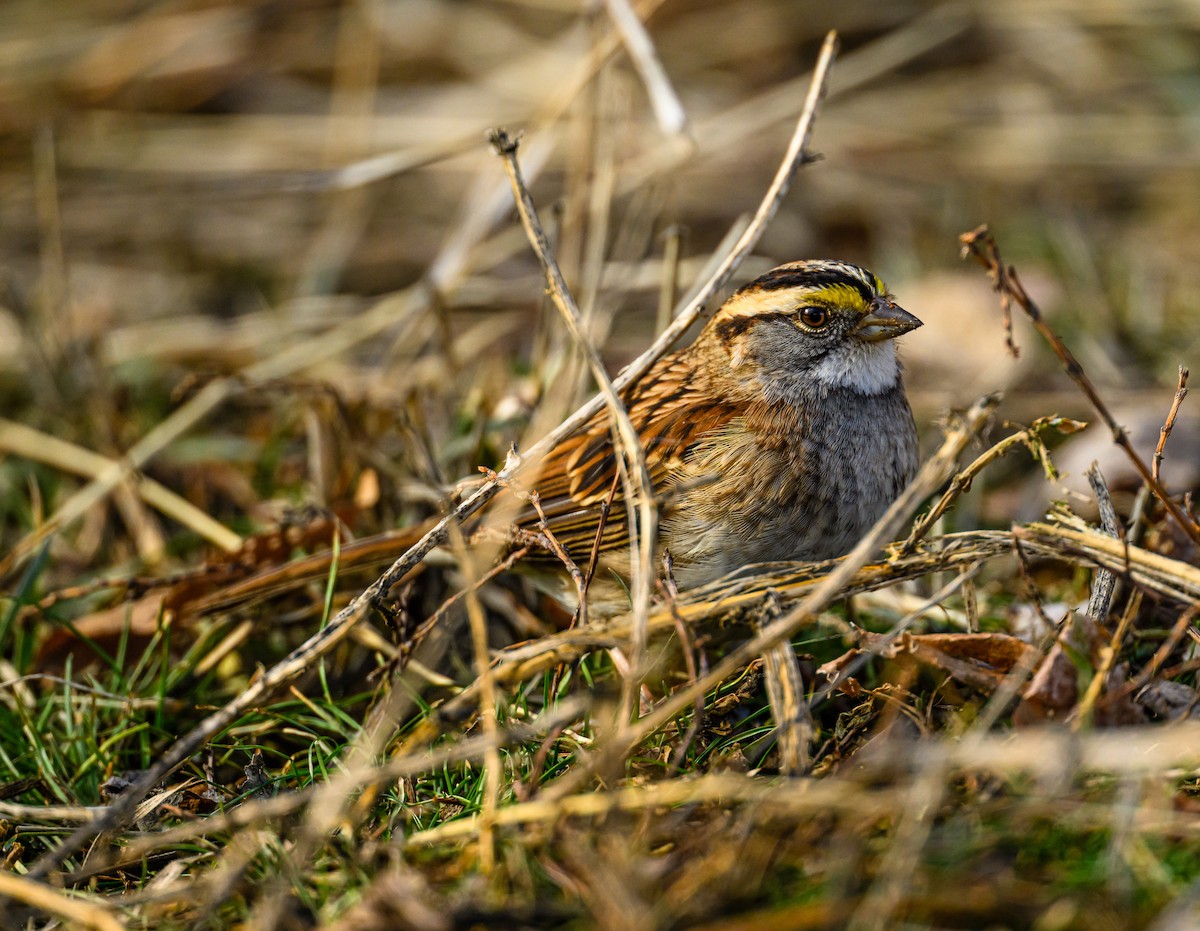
(782, 432)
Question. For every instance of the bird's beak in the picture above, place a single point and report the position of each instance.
(885, 320)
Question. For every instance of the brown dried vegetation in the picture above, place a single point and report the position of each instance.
(265, 302)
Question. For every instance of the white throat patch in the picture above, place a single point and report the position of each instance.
(868, 368)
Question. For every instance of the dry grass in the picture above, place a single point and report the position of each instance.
(266, 300)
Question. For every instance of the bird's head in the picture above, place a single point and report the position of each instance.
(826, 323)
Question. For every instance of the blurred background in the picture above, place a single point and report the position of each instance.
(190, 189)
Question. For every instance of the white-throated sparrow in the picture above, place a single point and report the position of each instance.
(782, 432)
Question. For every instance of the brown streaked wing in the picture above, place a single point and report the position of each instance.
(670, 411)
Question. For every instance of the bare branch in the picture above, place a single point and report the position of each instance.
(1169, 424)
(980, 244)
(962, 481)
(1104, 585)
(639, 490)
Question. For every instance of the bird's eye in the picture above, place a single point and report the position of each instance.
(814, 317)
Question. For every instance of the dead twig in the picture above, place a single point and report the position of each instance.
(1031, 588)
(797, 155)
(1084, 713)
(1169, 423)
(552, 542)
(639, 492)
(794, 729)
(76, 912)
(488, 706)
(1104, 585)
(594, 558)
(668, 289)
(961, 483)
(688, 646)
(980, 244)
(1172, 577)
(410, 643)
(1160, 656)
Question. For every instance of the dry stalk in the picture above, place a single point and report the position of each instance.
(601, 523)
(1171, 577)
(798, 798)
(1084, 712)
(916, 816)
(1180, 628)
(668, 110)
(601, 51)
(1104, 585)
(227, 877)
(785, 692)
(1039, 752)
(51, 814)
(970, 605)
(182, 420)
(427, 626)
(797, 155)
(792, 581)
(693, 660)
(750, 119)
(1169, 424)
(591, 179)
(638, 488)
(487, 705)
(980, 244)
(961, 483)
(668, 289)
(789, 581)
(1056, 752)
(556, 547)
(795, 796)
(25, 441)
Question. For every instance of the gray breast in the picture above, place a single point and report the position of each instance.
(865, 451)
(810, 487)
